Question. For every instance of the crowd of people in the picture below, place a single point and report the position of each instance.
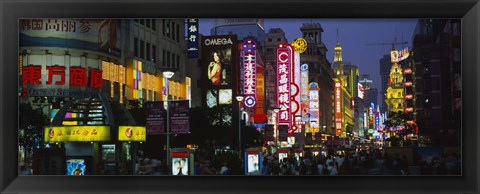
(353, 162)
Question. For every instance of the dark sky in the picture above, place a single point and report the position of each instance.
(353, 35)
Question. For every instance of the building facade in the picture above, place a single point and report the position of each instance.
(320, 71)
(437, 55)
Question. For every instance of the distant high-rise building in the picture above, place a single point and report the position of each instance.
(242, 27)
(343, 98)
(385, 65)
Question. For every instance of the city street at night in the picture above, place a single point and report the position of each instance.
(240, 96)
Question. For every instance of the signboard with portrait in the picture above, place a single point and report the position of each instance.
(219, 58)
(102, 35)
(253, 161)
(76, 167)
(181, 162)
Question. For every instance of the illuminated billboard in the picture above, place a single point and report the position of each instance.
(218, 54)
(132, 133)
(338, 108)
(361, 91)
(304, 93)
(76, 167)
(284, 63)
(76, 133)
(101, 35)
(249, 72)
(314, 114)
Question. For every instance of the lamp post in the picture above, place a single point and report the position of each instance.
(239, 99)
(167, 75)
(276, 110)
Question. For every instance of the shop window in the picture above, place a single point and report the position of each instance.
(154, 24)
(148, 51)
(178, 33)
(148, 23)
(168, 59)
(154, 53)
(135, 47)
(164, 57)
(142, 49)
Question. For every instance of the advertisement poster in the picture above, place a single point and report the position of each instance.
(218, 54)
(179, 166)
(179, 117)
(76, 167)
(102, 35)
(253, 161)
(155, 114)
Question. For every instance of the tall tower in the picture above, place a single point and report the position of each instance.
(342, 96)
(395, 96)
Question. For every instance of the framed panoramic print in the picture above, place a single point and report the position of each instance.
(231, 97)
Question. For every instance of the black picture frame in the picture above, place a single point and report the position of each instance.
(11, 11)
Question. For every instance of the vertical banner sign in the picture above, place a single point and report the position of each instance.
(179, 117)
(338, 108)
(304, 93)
(260, 90)
(250, 72)
(314, 119)
(299, 45)
(377, 122)
(192, 38)
(155, 123)
(284, 62)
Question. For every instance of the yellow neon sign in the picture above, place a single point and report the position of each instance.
(77, 133)
(132, 133)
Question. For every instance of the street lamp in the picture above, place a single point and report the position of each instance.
(239, 99)
(276, 110)
(168, 74)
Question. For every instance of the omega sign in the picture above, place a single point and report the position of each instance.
(218, 41)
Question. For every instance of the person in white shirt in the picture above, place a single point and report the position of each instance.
(332, 169)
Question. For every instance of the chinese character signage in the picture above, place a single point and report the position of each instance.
(249, 72)
(314, 114)
(155, 124)
(338, 108)
(56, 80)
(192, 38)
(76, 133)
(132, 133)
(101, 35)
(218, 59)
(179, 117)
(304, 93)
(284, 63)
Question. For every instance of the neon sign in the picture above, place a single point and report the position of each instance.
(250, 72)
(284, 63)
